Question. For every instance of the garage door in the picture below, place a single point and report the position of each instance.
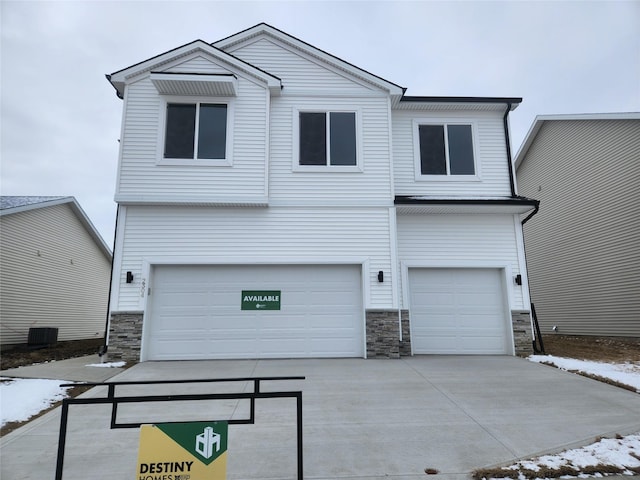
(458, 311)
(196, 312)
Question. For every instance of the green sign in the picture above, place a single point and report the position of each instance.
(260, 300)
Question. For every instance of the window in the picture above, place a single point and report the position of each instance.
(446, 149)
(196, 131)
(327, 139)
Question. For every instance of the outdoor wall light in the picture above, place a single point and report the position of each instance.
(129, 277)
(518, 279)
(381, 276)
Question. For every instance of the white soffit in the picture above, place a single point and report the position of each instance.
(208, 85)
(462, 209)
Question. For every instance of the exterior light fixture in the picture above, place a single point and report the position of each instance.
(380, 276)
(518, 279)
(129, 277)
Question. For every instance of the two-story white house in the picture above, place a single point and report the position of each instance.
(276, 201)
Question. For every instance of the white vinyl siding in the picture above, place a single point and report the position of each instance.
(196, 64)
(369, 185)
(142, 149)
(301, 74)
(195, 312)
(582, 247)
(461, 241)
(53, 275)
(293, 235)
(489, 145)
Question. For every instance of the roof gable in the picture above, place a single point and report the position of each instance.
(178, 55)
(15, 204)
(541, 119)
(263, 30)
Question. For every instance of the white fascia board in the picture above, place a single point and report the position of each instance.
(540, 119)
(268, 30)
(127, 75)
(592, 116)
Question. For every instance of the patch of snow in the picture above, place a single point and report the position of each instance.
(626, 373)
(107, 365)
(623, 453)
(22, 398)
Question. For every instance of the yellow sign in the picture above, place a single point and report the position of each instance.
(183, 451)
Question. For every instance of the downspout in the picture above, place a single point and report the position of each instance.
(535, 210)
(509, 161)
(105, 346)
(534, 323)
(535, 326)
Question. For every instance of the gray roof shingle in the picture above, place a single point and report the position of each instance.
(22, 201)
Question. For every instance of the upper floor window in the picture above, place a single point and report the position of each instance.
(196, 132)
(327, 139)
(446, 149)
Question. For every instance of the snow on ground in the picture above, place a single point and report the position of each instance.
(623, 453)
(627, 373)
(22, 398)
(107, 365)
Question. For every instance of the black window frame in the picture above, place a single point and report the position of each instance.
(325, 154)
(463, 151)
(222, 134)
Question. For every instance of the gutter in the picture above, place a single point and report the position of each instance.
(103, 349)
(417, 200)
(118, 94)
(508, 143)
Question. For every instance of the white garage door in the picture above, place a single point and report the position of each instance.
(195, 312)
(458, 311)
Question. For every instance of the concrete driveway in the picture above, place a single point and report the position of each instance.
(368, 419)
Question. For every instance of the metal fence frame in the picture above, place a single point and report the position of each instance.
(114, 400)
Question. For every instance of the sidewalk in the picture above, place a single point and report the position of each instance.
(73, 369)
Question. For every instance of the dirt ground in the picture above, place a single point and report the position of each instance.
(603, 349)
(22, 355)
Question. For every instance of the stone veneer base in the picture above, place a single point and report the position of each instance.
(383, 334)
(522, 334)
(125, 336)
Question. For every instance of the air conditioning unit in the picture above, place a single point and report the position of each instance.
(42, 337)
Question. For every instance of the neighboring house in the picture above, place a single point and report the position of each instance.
(583, 247)
(276, 201)
(54, 270)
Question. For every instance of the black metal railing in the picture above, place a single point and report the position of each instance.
(115, 400)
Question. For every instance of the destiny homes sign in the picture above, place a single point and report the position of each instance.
(183, 451)
(260, 300)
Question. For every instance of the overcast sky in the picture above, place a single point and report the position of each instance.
(60, 117)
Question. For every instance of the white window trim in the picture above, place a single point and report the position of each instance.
(358, 167)
(206, 162)
(419, 177)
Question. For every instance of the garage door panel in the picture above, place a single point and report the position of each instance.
(458, 311)
(203, 302)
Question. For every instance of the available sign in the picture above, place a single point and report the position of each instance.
(183, 451)
(260, 300)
